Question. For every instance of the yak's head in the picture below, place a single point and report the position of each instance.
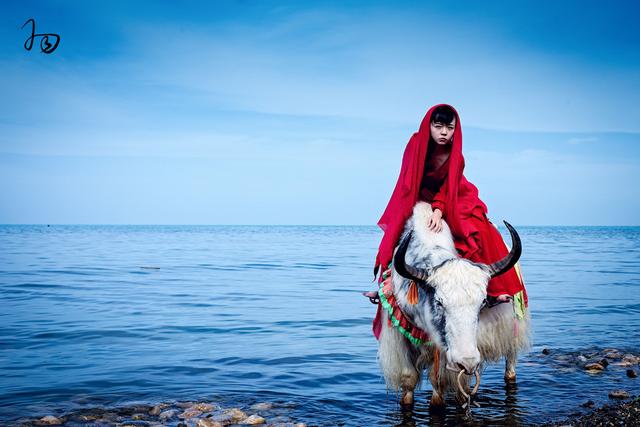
(456, 291)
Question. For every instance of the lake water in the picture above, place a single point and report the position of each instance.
(242, 314)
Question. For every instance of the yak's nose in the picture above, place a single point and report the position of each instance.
(469, 364)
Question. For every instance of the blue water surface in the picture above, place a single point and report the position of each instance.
(112, 315)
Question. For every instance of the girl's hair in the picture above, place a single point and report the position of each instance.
(442, 114)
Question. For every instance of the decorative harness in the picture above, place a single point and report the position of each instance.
(413, 333)
(397, 317)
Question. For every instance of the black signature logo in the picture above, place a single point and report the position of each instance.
(45, 45)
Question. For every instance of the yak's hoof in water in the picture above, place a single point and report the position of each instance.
(436, 404)
(407, 400)
(510, 377)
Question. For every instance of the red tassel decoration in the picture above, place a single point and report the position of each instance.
(412, 295)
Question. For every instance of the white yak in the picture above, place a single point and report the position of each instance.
(466, 328)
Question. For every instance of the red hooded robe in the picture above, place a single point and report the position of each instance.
(475, 237)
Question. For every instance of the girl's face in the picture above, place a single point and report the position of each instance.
(442, 133)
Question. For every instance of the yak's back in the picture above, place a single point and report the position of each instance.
(427, 239)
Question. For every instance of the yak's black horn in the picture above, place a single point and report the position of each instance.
(401, 267)
(502, 266)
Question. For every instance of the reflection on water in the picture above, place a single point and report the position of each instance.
(251, 313)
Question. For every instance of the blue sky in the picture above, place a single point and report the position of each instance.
(298, 113)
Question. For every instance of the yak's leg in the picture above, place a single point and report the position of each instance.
(437, 398)
(397, 359)
(510, 368)
(410, 380)
(438, 380)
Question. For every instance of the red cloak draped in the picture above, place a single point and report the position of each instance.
(475, 237)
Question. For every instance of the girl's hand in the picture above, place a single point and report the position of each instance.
(435, 222)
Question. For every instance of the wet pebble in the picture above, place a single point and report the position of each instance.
(613, 355)
(631, 373)
(207, 422)
(168, 414)
(262, 406)
(155, 410)
(253, 420)
(185, 405)
(619, 394)
(204, 407)
(631, 358)
(593, 367)
(588, 404)
(190, 413)
(628, 360)
(131, 423)
(230, 416)
(50, 420)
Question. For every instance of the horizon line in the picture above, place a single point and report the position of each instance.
(279, 225)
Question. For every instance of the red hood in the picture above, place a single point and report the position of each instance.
(407, 189)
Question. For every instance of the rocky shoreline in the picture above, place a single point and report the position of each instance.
(208, 414)
(610, 415)
(170, 414)
(211, 414)
(595, 362)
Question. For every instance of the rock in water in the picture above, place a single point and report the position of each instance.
(185, 405)
(51, 420)
(263, 406)
(588, 404)
(618, 394)
(593, 367)
(190, 413)
(253, 420)
(168, 414)
(204, 407)
(230, 416)
(613, 355)
(206, 422)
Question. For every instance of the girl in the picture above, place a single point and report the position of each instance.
(432, 170)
